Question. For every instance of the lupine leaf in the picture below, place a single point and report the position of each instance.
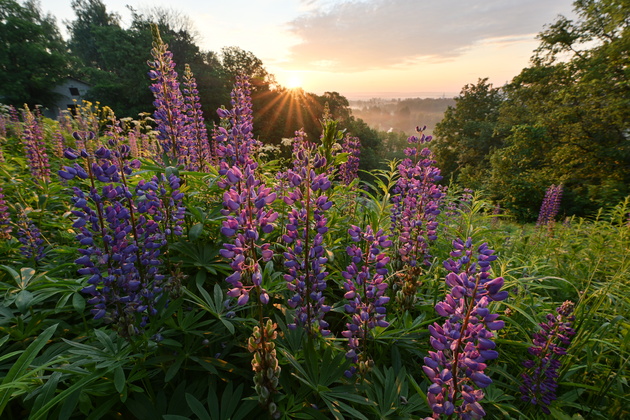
(195, 231)
(173, 369)
(197, 407)
(78, 302)
(77, 386)
(69, 404)
(20, 367)
(119, 379)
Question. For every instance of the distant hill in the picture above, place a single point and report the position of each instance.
(401, 115)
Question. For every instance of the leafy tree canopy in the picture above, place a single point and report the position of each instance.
(32, 57)
(565, 119)
(466, 136)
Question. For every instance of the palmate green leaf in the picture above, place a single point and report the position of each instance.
(173, 369)
(232, 406)
(208, 300)
(21, 366)
(333, 368)
(417, 388)
(319, 371)
(206, 363)
(14, 274)
(102, 409)
(200, 278)
(197, 407)
(199, 255)
(24, 300)
(310, 413)
(303, 375)
(106, 341)
(230, 401)
(336, 407)
(384, 391)
(47, 391)
(69, 404)
(349, 393)
(78, 302)
(119, 379)
(195, 231)
(214, 306)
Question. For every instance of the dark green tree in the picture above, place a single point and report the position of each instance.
(114, 59)
(372, 150)
(280, 112)
(111, 59)
(178, 32)
(466, 136)
(576, 97)
(237, 61)
(33, 56)
(85, 38)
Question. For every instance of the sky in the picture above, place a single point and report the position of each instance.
(366, 48)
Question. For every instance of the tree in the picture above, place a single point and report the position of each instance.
(338, 105)
(110, 58)
(279, 112)
(466, 136)
(32, 58)
(238, 61)
(372, 152)
(114, 59)
(84, 40)
(577, 92)
(178, 32)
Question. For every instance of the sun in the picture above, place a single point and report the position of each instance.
(294, 82)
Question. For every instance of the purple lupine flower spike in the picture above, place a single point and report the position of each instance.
(5, 218)
(305, 256)
(349, 170)
(234, 139)
(463, 343)
(549, 344)
(34, 146)
(123, 233)
(58, 142)
(416, 199)
(169, 113)
(365, 291)
(246, 198)
(198, 135)
(550, 205)
(246, 202)
(30, 237)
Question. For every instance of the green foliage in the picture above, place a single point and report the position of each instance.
(466, 136)
(192, 360)
(372, 153)
(563, 120)
(18, 376)
(32, 57)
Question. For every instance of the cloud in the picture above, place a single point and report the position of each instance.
(357, 35)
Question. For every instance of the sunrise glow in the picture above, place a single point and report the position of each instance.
(294, 82)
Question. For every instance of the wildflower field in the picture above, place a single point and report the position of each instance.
(166, 270)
